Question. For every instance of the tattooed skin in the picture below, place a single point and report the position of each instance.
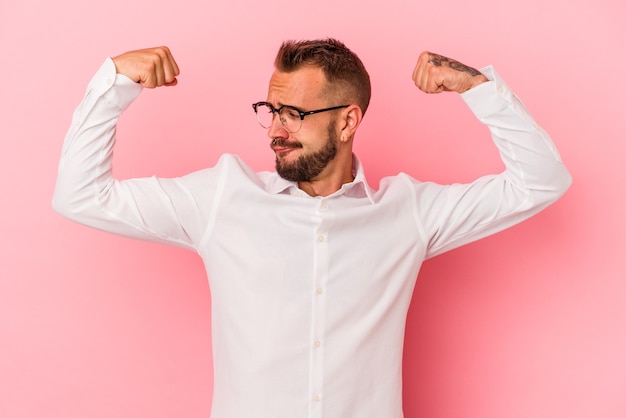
(439, 60)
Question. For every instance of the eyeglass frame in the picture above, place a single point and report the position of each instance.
(300, 112)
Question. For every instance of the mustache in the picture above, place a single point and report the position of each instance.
(282, 143)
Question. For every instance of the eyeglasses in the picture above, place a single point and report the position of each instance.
(290, 117)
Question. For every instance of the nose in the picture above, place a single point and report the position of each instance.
(276, 129)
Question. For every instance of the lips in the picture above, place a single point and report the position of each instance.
(279, 146)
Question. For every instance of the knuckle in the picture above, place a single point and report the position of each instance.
(150, 66)
(163, 52)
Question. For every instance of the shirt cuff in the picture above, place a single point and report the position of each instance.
(489, 97)
(116, 88)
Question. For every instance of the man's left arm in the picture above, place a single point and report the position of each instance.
(534, 175)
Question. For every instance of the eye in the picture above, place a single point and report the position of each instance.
(290, 113)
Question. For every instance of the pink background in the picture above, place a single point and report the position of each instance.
(528, 323)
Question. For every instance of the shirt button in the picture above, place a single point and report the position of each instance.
(316, 397)
(319, 290)
(109, 81)
(317, 344)
(321, 238)
(500, 89)
(324, 205)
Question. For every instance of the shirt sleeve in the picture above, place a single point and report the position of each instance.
(172, 211)
(534, 177)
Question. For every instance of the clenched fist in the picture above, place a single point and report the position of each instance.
(151, 67)
(434, 73)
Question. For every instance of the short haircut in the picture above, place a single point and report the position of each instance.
(344, 71)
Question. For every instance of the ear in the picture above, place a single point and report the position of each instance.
(351, 121)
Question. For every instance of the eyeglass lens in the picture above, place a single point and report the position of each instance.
(290, 118)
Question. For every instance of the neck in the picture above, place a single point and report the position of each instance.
(323, 187)
(330, 181)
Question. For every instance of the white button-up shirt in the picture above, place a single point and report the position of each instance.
(309, 294)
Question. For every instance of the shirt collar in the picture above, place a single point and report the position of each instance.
(358, 188)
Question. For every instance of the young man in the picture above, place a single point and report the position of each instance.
(311, 270)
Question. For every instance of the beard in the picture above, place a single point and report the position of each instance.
(309, 166)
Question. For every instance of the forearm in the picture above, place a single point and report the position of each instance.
(84, 175)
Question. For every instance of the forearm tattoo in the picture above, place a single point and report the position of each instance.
(439, 60)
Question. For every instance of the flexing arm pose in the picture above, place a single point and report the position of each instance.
(311, 270)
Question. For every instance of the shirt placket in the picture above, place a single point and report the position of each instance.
(322, 220)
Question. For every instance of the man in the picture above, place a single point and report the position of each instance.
(311, 270)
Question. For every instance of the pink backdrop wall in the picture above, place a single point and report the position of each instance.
(528, 323)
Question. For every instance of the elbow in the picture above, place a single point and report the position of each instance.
(559, 182)
(68, 204)
(61, 205)
(562, 182)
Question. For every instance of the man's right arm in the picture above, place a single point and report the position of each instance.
(152, 208)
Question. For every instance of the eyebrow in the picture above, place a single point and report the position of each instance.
(288, 105)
